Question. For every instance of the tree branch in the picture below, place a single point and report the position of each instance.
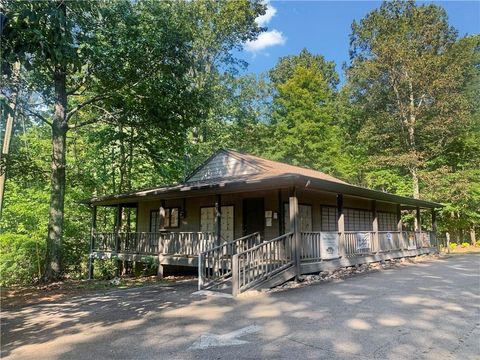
(41, 117)
(85, 103)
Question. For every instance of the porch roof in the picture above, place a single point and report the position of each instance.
(243, 172)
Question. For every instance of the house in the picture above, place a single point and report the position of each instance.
(256, 222)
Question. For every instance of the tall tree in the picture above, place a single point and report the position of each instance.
(407, 73)
(72, 65)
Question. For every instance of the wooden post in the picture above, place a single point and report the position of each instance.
(218, 219)
(418, 225)
(403, 241)
(235, 279)
(294, 227)
(161, 216)
(93, 231)
(280, 213)
(375, 226)
(399, 218)
(341, 225)
(434, 229)
(447, 235)
(118, 223)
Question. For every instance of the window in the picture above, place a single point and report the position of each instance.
(305, 215)
(387, 221)
(358, 220)
(207, 221)
(172, 219)
(329, 218)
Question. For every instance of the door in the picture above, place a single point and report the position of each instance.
(253, 216)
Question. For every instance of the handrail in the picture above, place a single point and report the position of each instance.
(262, 261)
(214, 264)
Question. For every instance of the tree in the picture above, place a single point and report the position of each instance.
(303, 124)
(72, 64)
(407, 74)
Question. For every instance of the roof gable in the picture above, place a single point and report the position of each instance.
(223, 164)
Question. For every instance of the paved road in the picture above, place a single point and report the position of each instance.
(424, 311)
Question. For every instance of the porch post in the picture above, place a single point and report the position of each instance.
(403, 241)
(118, 223)
(418, 226)
(375, 226)
(399, 218)
(93, 231)
(218, 219)
(434, 229)
(341, 225)
(161, 216)
(294, 227)
(280, 213)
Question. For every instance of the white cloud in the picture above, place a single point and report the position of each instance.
(264, 19)
(265, 40)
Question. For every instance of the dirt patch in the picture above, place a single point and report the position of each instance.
(16, 297)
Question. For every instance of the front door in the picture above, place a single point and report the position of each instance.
(253, 216)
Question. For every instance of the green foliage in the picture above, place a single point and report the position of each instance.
(453, 246)
(105, 269)
(465, 245)
(150, 264)
(21, 259)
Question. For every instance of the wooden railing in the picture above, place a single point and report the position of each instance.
(215, 264)
(182, 243)
(359, 243)
(261, 262)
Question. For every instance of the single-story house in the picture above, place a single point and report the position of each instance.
(256, 222)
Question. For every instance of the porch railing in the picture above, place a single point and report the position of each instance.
(215, 264)
(261, 262)
(184, 243)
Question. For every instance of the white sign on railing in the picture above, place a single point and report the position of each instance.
(329, 245)
(363, 241)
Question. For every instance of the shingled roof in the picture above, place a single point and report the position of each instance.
(228, 169)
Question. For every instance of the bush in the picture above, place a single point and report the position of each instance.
(21, 259)
(453, 246)
(465, 244)
(150, 265)
(477, 243)
(105, 269)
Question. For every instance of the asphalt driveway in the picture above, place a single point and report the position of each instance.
(427, 310)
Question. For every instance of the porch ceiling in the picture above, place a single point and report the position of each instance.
(253, 183)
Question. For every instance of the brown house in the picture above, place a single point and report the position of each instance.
(255, 222)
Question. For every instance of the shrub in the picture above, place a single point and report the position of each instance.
(453, 246)
(465, 244)
(21, 259)
(149, 265)
(477, 243)
(105, 269)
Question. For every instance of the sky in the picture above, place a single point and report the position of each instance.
(323, 27)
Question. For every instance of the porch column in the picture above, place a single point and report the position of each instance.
(280, 213)
(118, 224)
(434, 229)
(418, 226)
(399, 218)
(402, 241)
(218, 219)
(341, 225)
(294, 227)
(93, 231)
(375, 226)
(161, 216)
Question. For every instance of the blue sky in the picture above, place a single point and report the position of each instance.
(323, 27)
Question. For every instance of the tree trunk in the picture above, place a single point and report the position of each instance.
(8, 131)
(53, 263)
